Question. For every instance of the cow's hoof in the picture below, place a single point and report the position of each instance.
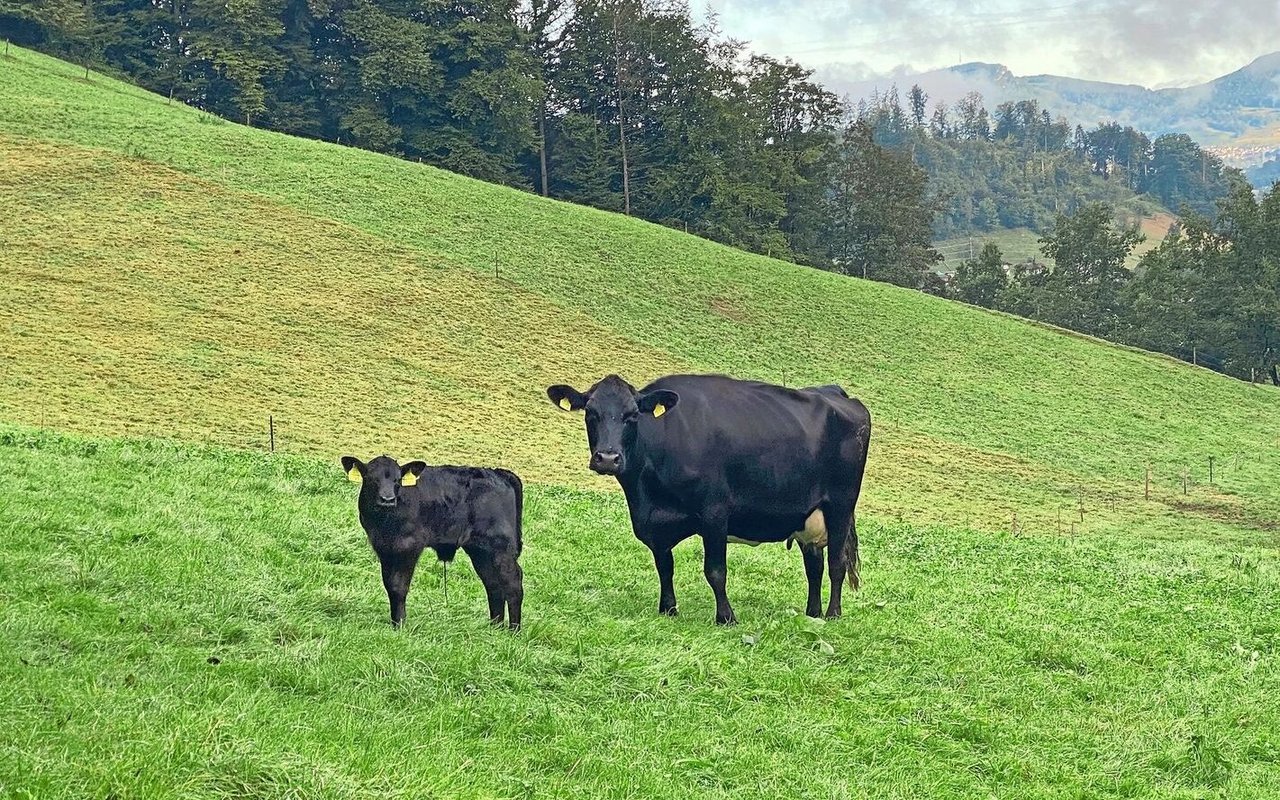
(729, 620)
(674, 611)
(813, 612)
(832, 613)
(514, 627)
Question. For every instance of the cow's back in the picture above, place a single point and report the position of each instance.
(765, 445)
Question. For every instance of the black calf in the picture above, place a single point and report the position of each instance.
(407, 508)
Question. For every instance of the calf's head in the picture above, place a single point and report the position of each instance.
(382, 478)
(613, 408)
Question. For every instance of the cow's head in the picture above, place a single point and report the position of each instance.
(382, 478)
(613, 408)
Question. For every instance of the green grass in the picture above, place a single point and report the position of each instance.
(184, 621)
(168, 276)
(177, 275)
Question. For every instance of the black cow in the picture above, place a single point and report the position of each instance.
(406, 509)
(732, 460)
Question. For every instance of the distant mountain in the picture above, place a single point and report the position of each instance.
(1239, 111)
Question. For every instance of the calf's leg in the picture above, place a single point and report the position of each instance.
(513, 587)
(487, 569)
(397, 573)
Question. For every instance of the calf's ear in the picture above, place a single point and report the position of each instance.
(354, 468)
(657, 401)
(409, 473)
(567, 397)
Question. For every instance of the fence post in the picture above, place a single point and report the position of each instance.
(271, 430)
(1211, 470)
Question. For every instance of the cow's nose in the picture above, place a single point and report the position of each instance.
(387, 499)
(606, 461)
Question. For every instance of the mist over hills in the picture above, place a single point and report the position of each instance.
(1237, 115)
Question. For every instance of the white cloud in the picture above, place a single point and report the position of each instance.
(1124, 41)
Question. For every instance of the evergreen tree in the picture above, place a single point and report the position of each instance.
(980, 281)
(880, 213)
(1084, 290)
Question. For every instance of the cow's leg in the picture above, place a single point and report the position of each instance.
(512, 586)
(839, 529)
(666, 564)
(487, 570)
(397, 573)
(715, 545)
(813, 571)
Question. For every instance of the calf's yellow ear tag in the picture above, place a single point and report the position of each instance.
(659, 410)
(408, 479)
(565, 404)
(353, 475)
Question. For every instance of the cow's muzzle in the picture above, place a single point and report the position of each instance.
(606, 462)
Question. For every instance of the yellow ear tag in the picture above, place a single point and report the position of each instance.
(353, 475)
(659, 410)
(565, 404)
(408, 479)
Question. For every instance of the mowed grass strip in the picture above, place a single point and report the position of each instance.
(986, 416)
(144, 301)
(193, 622)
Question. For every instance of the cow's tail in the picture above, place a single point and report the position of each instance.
(853, 564)
(518, 487)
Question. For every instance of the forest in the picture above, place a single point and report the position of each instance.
(634, 106)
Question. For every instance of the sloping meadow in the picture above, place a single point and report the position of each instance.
(189, 615)
(187, 621)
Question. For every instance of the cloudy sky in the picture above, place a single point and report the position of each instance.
(1125, 41)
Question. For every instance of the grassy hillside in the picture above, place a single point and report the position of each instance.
(1032, 625)
(173, 274)
(192, 622)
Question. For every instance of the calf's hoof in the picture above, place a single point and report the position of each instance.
(672, 611)
(729, 619)
(832, 613)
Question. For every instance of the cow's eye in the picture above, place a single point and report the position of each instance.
(631, 416)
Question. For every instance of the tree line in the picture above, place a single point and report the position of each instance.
(1209, 294)
(632, 106)
(629, 106)
(1019, 167)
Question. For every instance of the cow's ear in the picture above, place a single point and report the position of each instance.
(354, 468)
(409, 473)
(657, 401)
(567, 397)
